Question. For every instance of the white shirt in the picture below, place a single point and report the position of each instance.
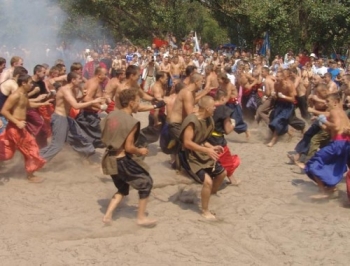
(232, 79)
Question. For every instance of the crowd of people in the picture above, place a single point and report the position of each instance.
(194, 100)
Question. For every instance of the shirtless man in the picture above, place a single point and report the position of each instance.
(175, 68)
(7, 73)
(317, 106)
(111, 88)
(170, 100)
(329, 164)
(257, 62)
(189, 71)
(2, 64)
(149, 73)
(249, 86)
(262, 113)
(284, 107)
(10, 86)
(215, 60)
(232, 102)
(211, 80)
(301, 93)
(165, 65)
(131, 78)
(184, 104)
(158, 91)
(16, 136)
(188, 61)
(65, 128)
(88, 119)
(331, 85)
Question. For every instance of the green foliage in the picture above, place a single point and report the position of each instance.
(295, 24)
(140, 20)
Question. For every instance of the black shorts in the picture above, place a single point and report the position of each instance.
(218, 170)
(132, 174)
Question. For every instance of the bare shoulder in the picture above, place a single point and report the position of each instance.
(15, 96)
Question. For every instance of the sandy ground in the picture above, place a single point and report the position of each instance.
(268, 220)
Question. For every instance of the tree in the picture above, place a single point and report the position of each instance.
(292, 24)
(140, 20)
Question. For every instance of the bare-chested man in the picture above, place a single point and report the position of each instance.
(257, 65)
(88, 119)
(317, 106)
(232, 102)
(165, 65)
(16, 135)
(157, 117)
(170, 100)
(188, 61)
(189, 71)
(211, 80)
(300, 89)
(262, 113)
(331, 85)
(149, 73)
(131, 78)
(6, 88)
(111, 88)
(2, 64)
(184, 104)
(65, 128)
(8, 73)
(250, 86)
(329, 164)
(284, 107)
(175, 68)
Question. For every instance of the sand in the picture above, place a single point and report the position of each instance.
(267, 220)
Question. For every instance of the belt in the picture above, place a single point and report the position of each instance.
(216, 134)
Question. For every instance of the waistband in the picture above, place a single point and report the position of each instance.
(90, 111)
(233, 100)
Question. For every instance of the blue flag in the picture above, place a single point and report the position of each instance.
(265, 48)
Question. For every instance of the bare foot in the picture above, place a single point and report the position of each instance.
(149, 223)
(233, 181)
(290, 137)
(85, 161)
(300, 164)
(270, 144)
(319, 196)
(209, 216)
(333, 192)
(35, 179)
(247, 134)
(293, 157)
(107, 220)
